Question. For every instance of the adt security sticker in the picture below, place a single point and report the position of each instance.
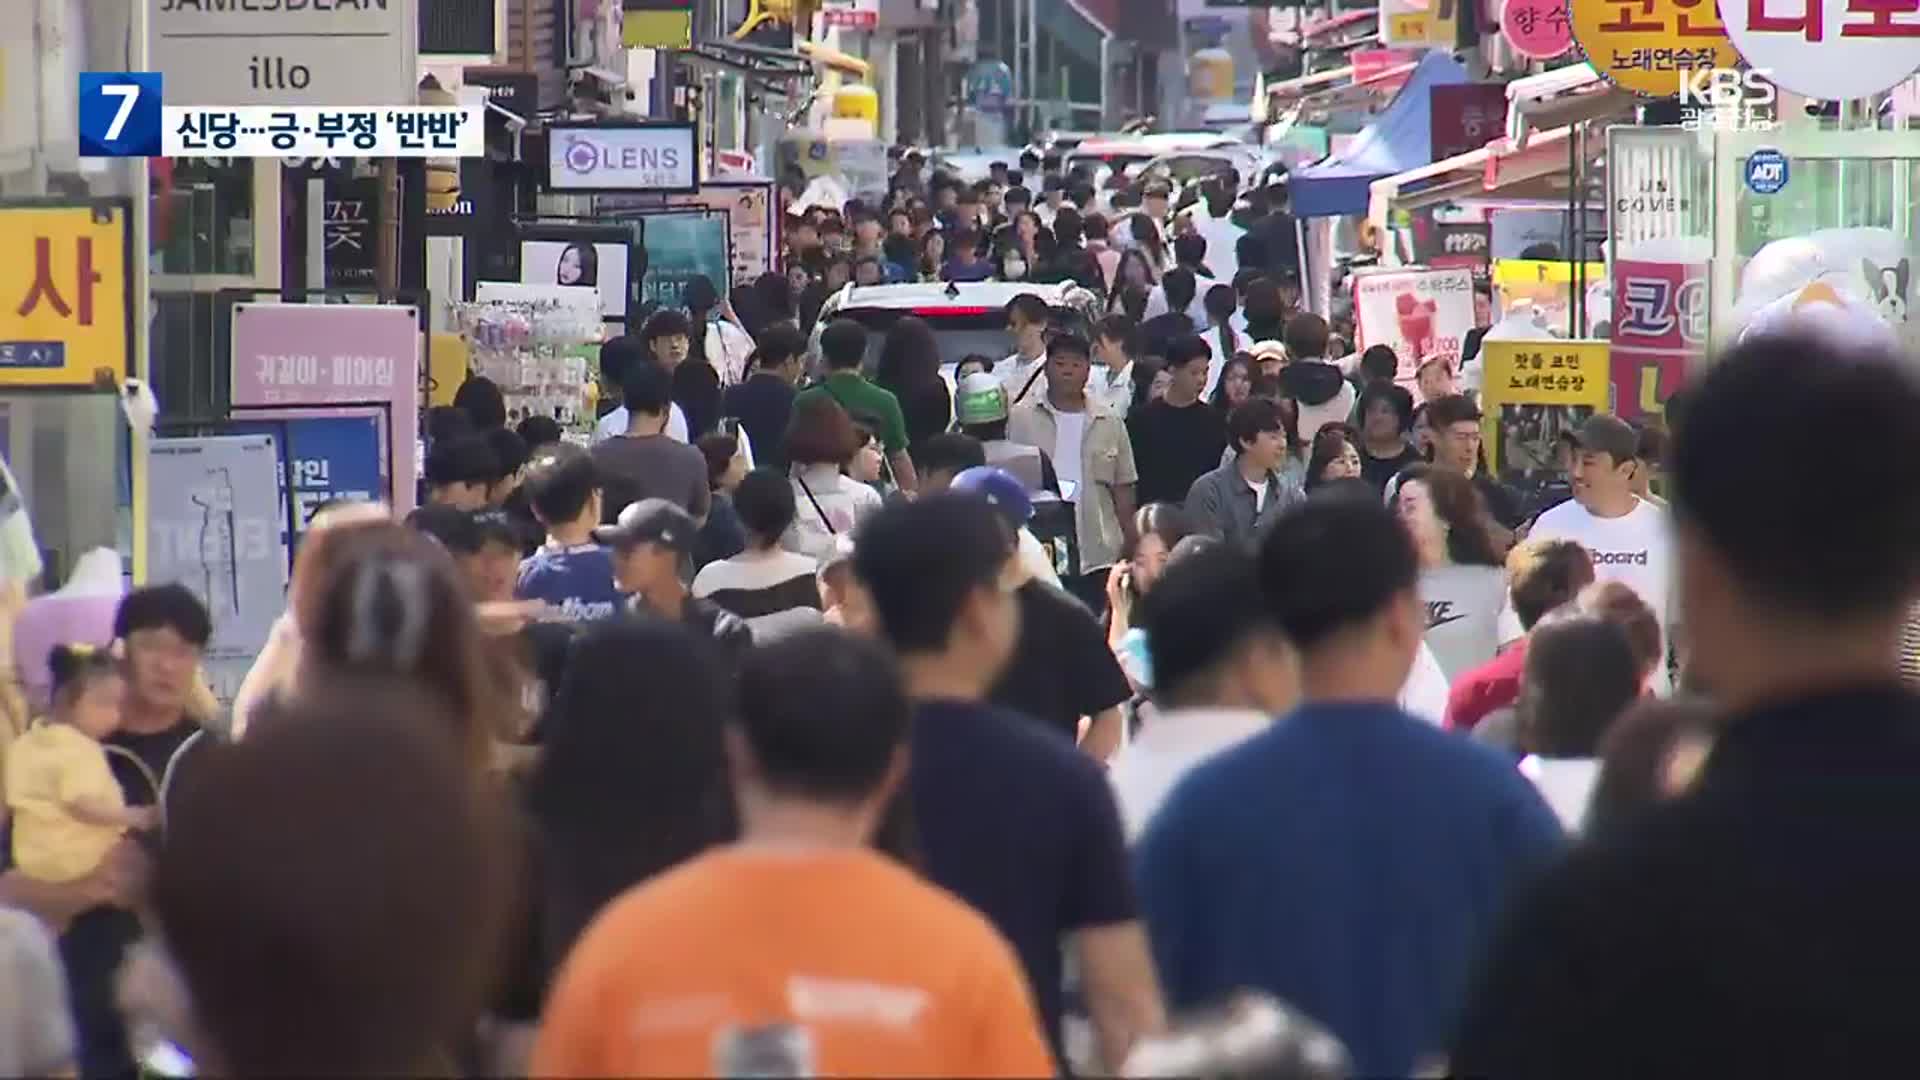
(1766, 171)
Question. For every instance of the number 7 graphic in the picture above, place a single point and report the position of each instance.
(120, 113)
(129, 95)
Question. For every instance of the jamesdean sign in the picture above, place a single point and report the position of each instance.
(622, 157)
(285, 52)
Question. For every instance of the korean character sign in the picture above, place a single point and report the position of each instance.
(1417, 313)
(1648, 46)
(414, 131)
(1834, 50)
(1532, 392)
(65, 305)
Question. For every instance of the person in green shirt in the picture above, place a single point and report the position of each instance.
(843, 345)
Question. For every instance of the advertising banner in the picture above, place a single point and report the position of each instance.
(64, 311)
(218, 533)
(1546, 288)
(1466, 116)
(622, 157)
(681, 247)
(328, 455)
(748, 205)
(1533, 392)
(1417, 313)
(1419, 24)
(334, 354)
(1659, 331)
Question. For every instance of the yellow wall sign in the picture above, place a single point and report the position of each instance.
(1649, 46)
(1545, 373)
(1416, 24)
(65, 314)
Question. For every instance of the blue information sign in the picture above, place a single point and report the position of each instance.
(328, 458)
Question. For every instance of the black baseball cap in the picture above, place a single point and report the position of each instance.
(650, 521)
(1606, 434)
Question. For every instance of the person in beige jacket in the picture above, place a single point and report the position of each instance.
(1087, 442)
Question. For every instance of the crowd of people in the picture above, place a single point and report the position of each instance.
(1175, 699)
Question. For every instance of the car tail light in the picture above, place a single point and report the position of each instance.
(954, 312)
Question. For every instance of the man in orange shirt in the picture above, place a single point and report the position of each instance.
(798, 951)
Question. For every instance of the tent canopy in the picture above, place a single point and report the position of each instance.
(1399, 139)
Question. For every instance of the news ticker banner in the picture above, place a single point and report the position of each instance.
(123, 114)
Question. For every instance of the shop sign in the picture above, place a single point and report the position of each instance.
(330, 355)
(1417, 313)
(1419, 24)
(1659, 319)
(323, 54)
(1533, 394)
(65, 318)
(1794, 40)
(851, 14)
(1537, 29)
(1766, 171)
(1465, 245)
(1648, 46)
(1466, 117)
(622, 157)
(1370, 64)
(330, 455)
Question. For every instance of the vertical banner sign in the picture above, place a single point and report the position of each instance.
(1417, 313)
(1466, 117)
(750, 218)
(332, 354)
(1659, 332)
(64, 311)
(1533, 392)
(217, 531)
(326, 458)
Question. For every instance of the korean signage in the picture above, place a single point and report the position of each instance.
(1369, 65)
(1533, 393)
(1463, 245)
(1648, 46)
(351, 211)
(1419, 24)
(64, 312)
(1417, 313)
(217, 532)
(1863, 46)
(334, 354)
(1466, 116)
(624, 157)
(851, 14)
(327, 458)
(323, 52)
(1659, 330)
(1537, 29)
(750, 222)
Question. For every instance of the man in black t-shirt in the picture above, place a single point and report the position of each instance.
(1179, 438)
(763, 402)
(651, 541)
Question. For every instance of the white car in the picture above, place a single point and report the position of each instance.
(967, 318)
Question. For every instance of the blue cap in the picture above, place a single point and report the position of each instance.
(1001, 490)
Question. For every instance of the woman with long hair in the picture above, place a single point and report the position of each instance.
(1460, 572)
(1333, 457)
(1147, 239)
(579, 264)
(910, 368)
(1133, 271)
(1150, 382)
(933, 255)
(1159, 526)
(1235, 385)
(821, 441)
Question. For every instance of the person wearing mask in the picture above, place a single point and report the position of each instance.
(843, 346)
(461, 472)
(936, 571)
(982, 412)
(910, 370)
(763, 403)
(1223, 670)
(1386, 416)
(1629, 538)
(1062, 674)
(1805, 789)
(1455, 423)
(569, 572)
(765, 580)
(1388, 847)
(1021, 371)
(1091, 454)
(650, 541)
(1324, 394)
(410, 855)
(1542, 576)
(818, 750)
(1234, 501)
(830, 505)
(648, 462)
(1460, 579)
(1581, 675)
(1114, 347)
(663, 343)
(1179, 438)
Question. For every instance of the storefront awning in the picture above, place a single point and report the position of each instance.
(1399, 139)
(1498, 168)
(1560, 98)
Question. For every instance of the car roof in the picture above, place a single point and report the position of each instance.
(934, 294)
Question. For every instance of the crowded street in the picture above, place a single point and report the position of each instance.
(774, 538)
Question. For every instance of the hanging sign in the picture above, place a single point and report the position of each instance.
(64, 311)
(1465, 117)
(1537, 29)
(1650, 46)
(1659, 331)
(1419, 24)
(1793, 43)
(1419, 314)
(1533, 393)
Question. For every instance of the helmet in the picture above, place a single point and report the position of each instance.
(1003, 492)
(982, 400)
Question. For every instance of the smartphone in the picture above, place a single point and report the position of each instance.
(168, 1061)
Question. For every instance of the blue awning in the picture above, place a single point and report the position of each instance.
(1400, 138)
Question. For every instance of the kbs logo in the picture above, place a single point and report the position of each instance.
(1722, 99)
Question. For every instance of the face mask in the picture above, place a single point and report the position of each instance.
(1016, 268)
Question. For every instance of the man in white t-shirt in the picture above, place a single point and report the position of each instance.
(661, 345)
(1628, 537)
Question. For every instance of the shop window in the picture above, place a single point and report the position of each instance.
(205, 222)
(68, 450)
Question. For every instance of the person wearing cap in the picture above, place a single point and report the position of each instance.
(1091, 453)
(981, 410)
(1233, 501)
(460, 473)
(1628, 537)
(650, 541)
